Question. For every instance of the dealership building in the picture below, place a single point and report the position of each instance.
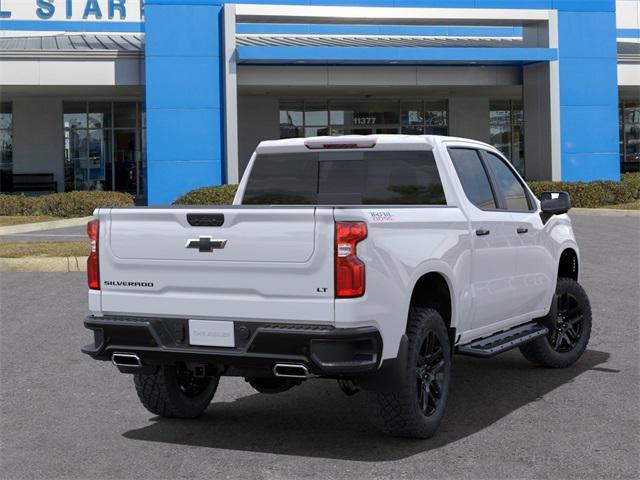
(159, 97)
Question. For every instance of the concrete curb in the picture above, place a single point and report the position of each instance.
(605, 212)
(39, 226)
(44, 264)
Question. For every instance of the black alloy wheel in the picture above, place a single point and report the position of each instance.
(430, 374)
(569, 324)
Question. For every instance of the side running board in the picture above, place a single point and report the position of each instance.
(503, 341)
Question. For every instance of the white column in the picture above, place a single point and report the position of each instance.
(231, 95)
(554, 99)
(541, 98)
(38, 138)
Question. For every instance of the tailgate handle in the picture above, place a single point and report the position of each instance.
(205, 219)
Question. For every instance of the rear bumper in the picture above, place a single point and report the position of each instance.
(323, 350)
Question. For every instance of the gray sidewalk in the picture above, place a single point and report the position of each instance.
(54, 235)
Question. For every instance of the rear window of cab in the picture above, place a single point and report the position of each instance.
(345, 178)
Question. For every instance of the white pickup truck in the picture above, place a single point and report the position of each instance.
(366, 259)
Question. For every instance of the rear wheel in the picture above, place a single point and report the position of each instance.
(174, 391)
(416, 409)
(565, 343)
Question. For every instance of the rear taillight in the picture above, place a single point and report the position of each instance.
(93, 268)
(349, 269)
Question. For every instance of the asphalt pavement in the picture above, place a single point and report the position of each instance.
(63, 415)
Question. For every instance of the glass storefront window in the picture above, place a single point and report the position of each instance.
(501, 138)
(6, 146)
(99, 115)
(316, 131)
(316, 114)
(291, 119)
(630, 136)
(500, 112)
(6, 116)
(124, 115)
(506, 129)
(365, 113)
(75, 114)
(104, 147)
(299, 118)
(412, 114)
(436, 113)
(631, 112)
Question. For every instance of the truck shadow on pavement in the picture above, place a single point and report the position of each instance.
(317, 420)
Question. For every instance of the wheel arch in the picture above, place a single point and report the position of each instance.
(433, 289)
(569, 263)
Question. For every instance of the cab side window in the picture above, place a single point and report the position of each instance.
(473, 177)
(513, 192)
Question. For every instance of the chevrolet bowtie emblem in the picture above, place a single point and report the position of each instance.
(205, 244)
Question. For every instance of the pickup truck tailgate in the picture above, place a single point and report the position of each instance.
(265, 263)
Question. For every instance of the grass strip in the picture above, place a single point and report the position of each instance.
(78, 248)
(8, 220)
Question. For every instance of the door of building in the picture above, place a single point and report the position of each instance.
(126, 162)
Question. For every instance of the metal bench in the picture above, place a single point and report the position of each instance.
(33, 182)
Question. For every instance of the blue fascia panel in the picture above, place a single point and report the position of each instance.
(183, 134)
(369, 55)
(70, 26)
(345, 29)
(570, 5)
(584, 5)
(169, 180)
(423, 3)
(579, 30)
(528, 4)
(628, 33)
(589, 131)
(187, 78)
(183, 30)
(592, 72)
(184, 97)
(561, 5)
(184, 2)
(586, 167)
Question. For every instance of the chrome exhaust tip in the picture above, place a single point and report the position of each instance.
(290, 370)
(130, 360)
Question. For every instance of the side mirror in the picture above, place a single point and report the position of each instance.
(555, 203)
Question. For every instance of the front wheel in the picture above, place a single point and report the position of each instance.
(173, 391)
(416, 409)
(565, 343)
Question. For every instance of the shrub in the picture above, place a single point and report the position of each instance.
(81, 204)
(594, 194)
(17, 205)
(631, 185)
(219, 195)
(69, 204)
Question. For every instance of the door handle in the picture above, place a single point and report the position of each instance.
(522, 230)
(482, 231)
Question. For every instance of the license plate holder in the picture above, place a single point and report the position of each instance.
(211, 333)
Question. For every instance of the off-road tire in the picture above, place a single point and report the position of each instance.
(541, 351)
(399, 412)
(162, 394)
